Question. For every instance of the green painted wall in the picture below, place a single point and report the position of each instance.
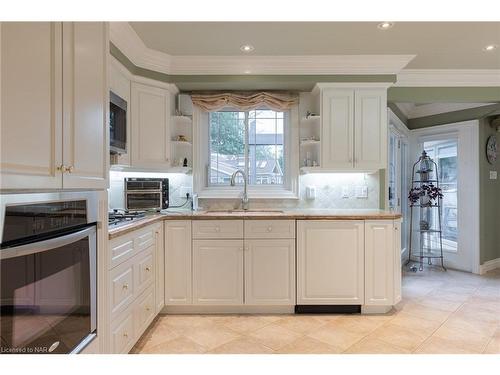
(489, 201)
(443, 94)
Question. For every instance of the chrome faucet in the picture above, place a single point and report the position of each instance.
(244, 199)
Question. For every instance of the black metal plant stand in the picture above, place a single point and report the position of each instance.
(426, 198)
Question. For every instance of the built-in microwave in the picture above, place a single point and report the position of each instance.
(117, 124)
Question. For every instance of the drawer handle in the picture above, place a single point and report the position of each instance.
(125, 286)
(269, 229)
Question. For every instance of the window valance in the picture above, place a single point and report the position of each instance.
(278, 101)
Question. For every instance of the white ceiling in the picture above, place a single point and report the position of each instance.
(437, 45)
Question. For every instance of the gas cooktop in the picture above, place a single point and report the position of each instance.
(117, 217)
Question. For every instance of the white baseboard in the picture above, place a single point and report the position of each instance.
(228, 309)
(489, 265)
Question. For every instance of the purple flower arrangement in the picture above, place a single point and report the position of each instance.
(432, 192)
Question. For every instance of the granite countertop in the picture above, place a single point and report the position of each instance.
(309, 214)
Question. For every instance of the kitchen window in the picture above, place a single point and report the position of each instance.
(255, 141)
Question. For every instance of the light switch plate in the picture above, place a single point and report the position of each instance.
(311, 192)
(362, 191)
(493, 175)
(345, 191)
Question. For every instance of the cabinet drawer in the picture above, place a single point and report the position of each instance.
(216, 229)
(269, 228)
(144, 311)
(144, 270)
(122, 286)
(122, 333)
(125, 247)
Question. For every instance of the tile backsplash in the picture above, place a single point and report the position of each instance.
(333, 191)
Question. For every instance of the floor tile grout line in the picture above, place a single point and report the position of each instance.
(433, 332)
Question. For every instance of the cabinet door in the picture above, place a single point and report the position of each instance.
(397, 262)
(270, 272)
(330, 262)
(30, 105)
(218, 272)
(178, 286)
(379, 262)
(150, 126)
(370, 129)
(160, 268)
(337, 126)
(86, 101)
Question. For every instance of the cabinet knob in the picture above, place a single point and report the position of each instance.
(125, 286)
(125, 334)
(148, 269)
(269, 229)
(61, 168)
(70, 169)
(148, 308)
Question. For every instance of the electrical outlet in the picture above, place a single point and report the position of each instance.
(183, 190)
(493, 175)
(345, 191)
(362, 191)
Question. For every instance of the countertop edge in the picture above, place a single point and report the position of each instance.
(127, 228)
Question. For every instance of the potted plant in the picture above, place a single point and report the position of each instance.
(426, 194)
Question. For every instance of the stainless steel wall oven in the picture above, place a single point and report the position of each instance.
(48, 249)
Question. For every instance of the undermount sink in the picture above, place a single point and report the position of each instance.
(239, 211)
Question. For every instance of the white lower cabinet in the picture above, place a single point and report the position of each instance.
(135, 295)
(178, 273)
(270, 272)
(218, 272)
(330, 262)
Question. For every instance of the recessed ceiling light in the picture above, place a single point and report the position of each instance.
(247, 48)
(490, 47)
(385, 25)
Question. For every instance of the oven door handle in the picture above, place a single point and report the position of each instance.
(53, 243)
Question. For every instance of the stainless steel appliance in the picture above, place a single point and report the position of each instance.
(48, 274)
(146, 194)
(117, 217)
(117, 124)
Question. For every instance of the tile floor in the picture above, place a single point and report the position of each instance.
(441, 312)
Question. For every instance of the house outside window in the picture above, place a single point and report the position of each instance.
(253, 141)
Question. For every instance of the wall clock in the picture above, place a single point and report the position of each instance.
(492, 149)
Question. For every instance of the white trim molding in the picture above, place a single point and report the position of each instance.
(123, 36)
(410, 110)
(489, 266)
(448, 78)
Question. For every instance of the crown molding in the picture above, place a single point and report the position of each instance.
(412, 111)
(448, 78)
(313, 64)
(123, 36)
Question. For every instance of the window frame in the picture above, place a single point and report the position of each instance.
(201, 161)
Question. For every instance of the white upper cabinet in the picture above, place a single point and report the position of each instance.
(370, 129)
(337, 131)
(353, 128)
(150, 126)
(43, 144)
(31, 99)
(86, 101)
